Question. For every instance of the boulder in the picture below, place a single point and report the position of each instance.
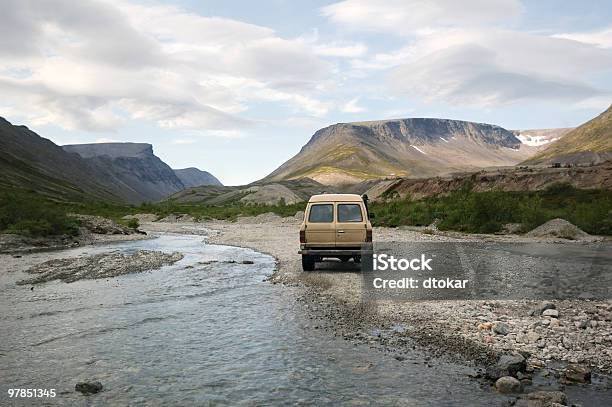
(507, 365)
(542, 399)
(551, 313)
(501, 328)
(508, 384)
(577, 374)
(540, 308)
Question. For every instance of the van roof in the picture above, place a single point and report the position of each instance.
(336, 198)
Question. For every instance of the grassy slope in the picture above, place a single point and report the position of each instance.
(349, 160)
(594, 135)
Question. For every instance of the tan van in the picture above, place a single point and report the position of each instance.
(335, 225)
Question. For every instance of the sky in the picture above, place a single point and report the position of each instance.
(238, 87)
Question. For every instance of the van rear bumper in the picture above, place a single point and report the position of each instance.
(336, 252)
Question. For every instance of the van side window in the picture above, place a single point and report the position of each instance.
(349, 213)
(322, 213)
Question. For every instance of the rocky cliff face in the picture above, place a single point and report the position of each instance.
(131, 169)
(32, 162)
(193, 177)
(420, 147)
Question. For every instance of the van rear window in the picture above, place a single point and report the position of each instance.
(349, 213)
(322, 213)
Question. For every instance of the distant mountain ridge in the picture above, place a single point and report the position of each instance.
(119, 172)
(29, 161)
(136, 172)
(589, 143)
(193, 177)
(418, 147)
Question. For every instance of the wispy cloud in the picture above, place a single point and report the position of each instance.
(352, 106)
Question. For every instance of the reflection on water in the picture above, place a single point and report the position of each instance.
(197, 333)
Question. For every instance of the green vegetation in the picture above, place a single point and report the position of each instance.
(31, 215)
(464, 210)
(27, 213)
(487, 212)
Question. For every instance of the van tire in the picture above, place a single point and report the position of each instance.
(308, 262)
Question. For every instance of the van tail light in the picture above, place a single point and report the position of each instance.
(369, 235)
(302, 236)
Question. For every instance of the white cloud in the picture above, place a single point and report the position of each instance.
(602, 38)
(497, 67)
(94, 65)
(353, 106)
(459, 53)
(417, 16)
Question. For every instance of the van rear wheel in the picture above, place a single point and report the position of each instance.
(308, 262)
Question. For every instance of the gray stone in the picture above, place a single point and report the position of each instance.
(512, 364)
(543, 306)
(501, 328)
(507, 365)
(508, 384)
(551, 313)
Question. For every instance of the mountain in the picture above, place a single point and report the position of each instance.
(589, 143)
(193, 177)
(131, 169)
(420, 147)
(31, 162)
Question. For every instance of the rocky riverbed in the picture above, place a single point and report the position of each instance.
(557, 338)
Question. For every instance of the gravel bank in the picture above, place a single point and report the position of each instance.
(103, 265)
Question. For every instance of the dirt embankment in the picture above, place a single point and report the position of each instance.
(574, 331)
(511, 179)
(93, 230)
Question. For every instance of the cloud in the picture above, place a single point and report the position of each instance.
(353, 106)
(459, 53)
(497, 67)
(413, 16)
(94, 65)
(601, 38)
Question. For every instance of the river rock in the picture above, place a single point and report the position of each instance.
(508, 384)
(577, 374)
(543, 399)
(507, 365)
(551, 313)
(88, 387)
(540, 308)
(501, 328)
